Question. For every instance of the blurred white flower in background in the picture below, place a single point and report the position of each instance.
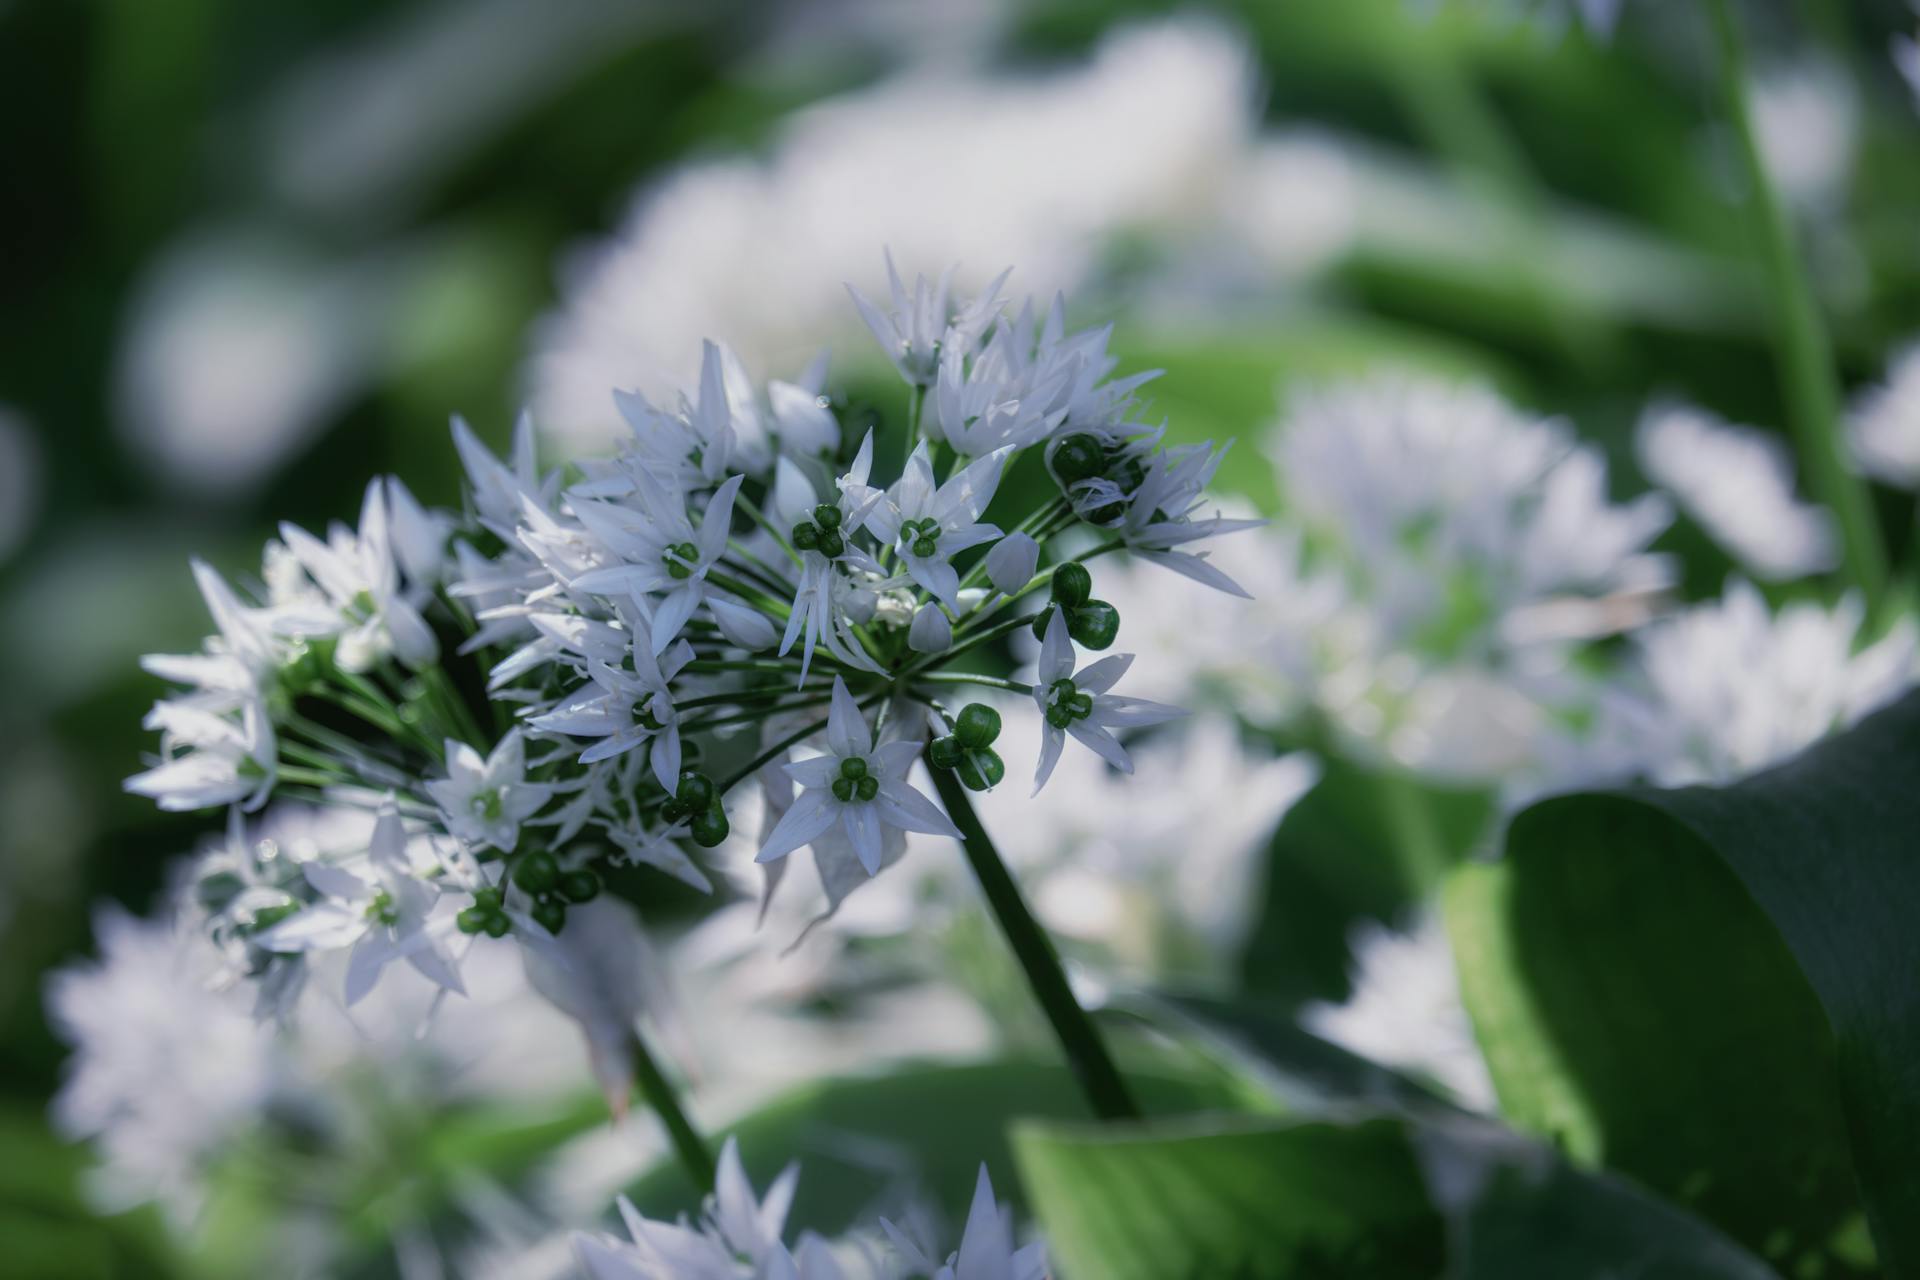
(1884, 424)
(20, 480)
(1806, 116)
(1738, 483)
(1729, 687)
(1405, 1010)
(1044, 172)
(238, 350)
(1478, 551)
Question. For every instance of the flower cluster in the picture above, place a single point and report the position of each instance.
(574, 673)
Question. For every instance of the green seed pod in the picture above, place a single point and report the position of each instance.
(982, 770)
(925, 546)
(832, 545)
(1094, 624)
(853, 767)
(489, 898)
(497, 925)
(978, 725)
(804, 536)
(827, 516)
(696, 790)
(536, 872)
(1040, 621)
(550, 914)
(672, 811)
(579, 885)
(1072, 584)
(843, 790)
(867, 788)
(1078, 457)
(711, 827)
(471, 920)
(945, 752)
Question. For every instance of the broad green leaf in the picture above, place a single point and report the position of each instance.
(1713, 990)
(1382, 1197)
(923, 1128)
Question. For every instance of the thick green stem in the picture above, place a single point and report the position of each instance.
(1807, 378)
(696, 1157)
(1086, 1051)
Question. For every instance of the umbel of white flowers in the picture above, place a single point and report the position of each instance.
(572, 673)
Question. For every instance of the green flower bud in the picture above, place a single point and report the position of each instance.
(981, 770)
(711, 827)
(945, 752)
(827, 516)
(579, 885)
(1072, 584)
(536, 872)
(804, 536)
(978, 726)
(497, 925)
(550, 914)
(696, 790)
(1094, 624)
(1078, 457)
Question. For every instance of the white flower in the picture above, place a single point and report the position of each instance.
(1906, 59)
(483, 802)
(930, 632)
(1159, 514)
(1077, 703)
(665, 555)
(382, 918)
(922, 327)
(1738, 483)
(1011, 562)
(237, 663)
(826, 602)
(360, 575)
(600, 972)
(1405, 1011)
(930, 525)
(986, 1249)
(857, 786)
(209, 759)
(625, 709)
(498, 488)
(736, 1238)
(1884, 425)
(695, 444)
(165, 1069)
(1723, 689)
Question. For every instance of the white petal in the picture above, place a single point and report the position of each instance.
(1012, 561)
(811, 814)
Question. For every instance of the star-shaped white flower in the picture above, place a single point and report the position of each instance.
(857, 786)
(738, 1235)
(986, 1249)
(209, 759)
(627, 708)
(360, 574)
(1077, 703)
(483, 802)
(383, 915)
(235, 664)
(666, 556)
(930, 525)
(920, 327)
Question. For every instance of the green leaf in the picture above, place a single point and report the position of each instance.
(1713, 989)
(1383, 1197)
(932, 1125)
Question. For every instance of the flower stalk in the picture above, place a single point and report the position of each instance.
(692, 1150)
(1092, 1065)
(1808, 381)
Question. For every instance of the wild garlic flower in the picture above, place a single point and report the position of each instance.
(739, 1235)
(1723, 689)
(1477, 552)
(576, 672)
(1884, 425)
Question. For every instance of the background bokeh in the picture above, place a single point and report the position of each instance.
(254, 253)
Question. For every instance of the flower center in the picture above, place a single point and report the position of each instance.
(487, 807)
(382, 909)
(1065, 704)
(922, 536)
(822, 533)
(680, 558)
(855, 781)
